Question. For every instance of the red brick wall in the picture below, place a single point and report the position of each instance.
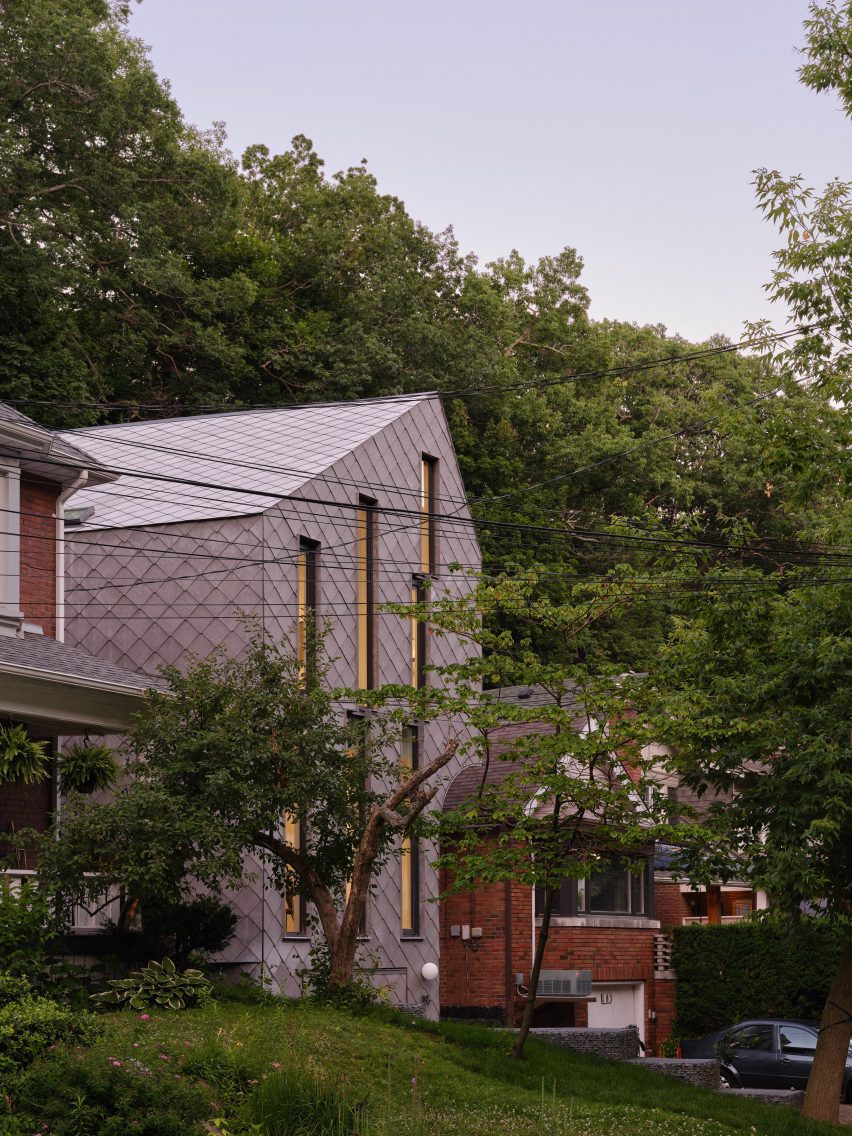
(473, 972)
(670, 905)
(38, 554)
(664, 1006)
(24, 806)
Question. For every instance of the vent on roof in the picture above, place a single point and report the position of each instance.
(78, 516)
(564, 984)
(525, 692)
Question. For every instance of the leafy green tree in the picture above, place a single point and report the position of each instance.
(572, 797)
(216, 765)
(115, 217)
(813, 271)
(753, 696)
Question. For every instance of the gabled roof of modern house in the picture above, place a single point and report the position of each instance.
(224, 465)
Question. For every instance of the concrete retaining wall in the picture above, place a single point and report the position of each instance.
(794, 1098)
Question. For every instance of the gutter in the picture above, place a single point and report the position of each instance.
(65, 679)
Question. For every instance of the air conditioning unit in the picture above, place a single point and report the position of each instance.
(564, 984)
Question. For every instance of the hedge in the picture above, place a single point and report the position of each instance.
(752, 970)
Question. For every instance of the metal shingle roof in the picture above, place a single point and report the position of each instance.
(291, 445)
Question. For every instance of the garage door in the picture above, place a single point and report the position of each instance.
(618, 1004)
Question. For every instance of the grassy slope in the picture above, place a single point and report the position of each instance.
(465, 1083)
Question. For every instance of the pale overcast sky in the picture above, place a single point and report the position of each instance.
(626, 128)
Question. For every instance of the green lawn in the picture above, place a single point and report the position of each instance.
(396, 1076)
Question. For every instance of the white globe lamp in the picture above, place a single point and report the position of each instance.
(429, 971)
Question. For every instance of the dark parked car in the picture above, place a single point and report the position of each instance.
(765, 1054)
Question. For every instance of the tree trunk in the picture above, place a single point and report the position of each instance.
(529, 1005)
(342, 954)
(822, 1099)
(382, 817)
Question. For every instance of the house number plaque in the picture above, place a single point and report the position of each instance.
(606, 999)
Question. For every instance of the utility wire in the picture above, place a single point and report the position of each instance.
(420, 516)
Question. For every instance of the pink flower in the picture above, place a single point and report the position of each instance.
(117, 1064)
(177, 1076)
(136, 1045)
(144, 1017)
(188, 1044)
(164, 1056)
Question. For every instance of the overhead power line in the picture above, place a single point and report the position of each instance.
(576, 532)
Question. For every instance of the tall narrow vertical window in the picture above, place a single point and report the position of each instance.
(428, 563)
(365, 559)
(409, 861)
(419, 592)
(307, 571)
(357, 751)
(294, 904)
(428, 509)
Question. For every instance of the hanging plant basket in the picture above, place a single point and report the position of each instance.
(86, 768)
(21, 758)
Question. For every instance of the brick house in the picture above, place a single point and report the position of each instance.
(52, 689)
(326, 509)
(605, 924)
(615, 924)
(677, 901)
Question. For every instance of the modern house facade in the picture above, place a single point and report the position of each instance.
(47, 686)
(326, 511)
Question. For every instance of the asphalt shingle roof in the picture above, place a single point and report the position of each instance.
(269, 453)
(42, 654)
(466, 784)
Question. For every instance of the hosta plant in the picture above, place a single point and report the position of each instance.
(159, 984)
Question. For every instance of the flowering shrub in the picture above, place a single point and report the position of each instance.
(112, 1096)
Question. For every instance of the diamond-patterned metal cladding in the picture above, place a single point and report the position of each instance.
(161, 593)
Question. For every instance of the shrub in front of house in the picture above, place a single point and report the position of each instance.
(101, 1096)
(30, 1025)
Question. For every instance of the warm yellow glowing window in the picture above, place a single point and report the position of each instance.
(294, 908)
(409, 852)
(306, 601)
(302, 572)
(364, 565)
(428, 479)
(357, 750)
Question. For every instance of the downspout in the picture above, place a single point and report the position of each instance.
(76, 484)
(509, 977)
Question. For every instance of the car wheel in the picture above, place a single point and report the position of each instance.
(728, 1079)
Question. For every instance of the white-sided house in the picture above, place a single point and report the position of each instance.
(326, 506)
